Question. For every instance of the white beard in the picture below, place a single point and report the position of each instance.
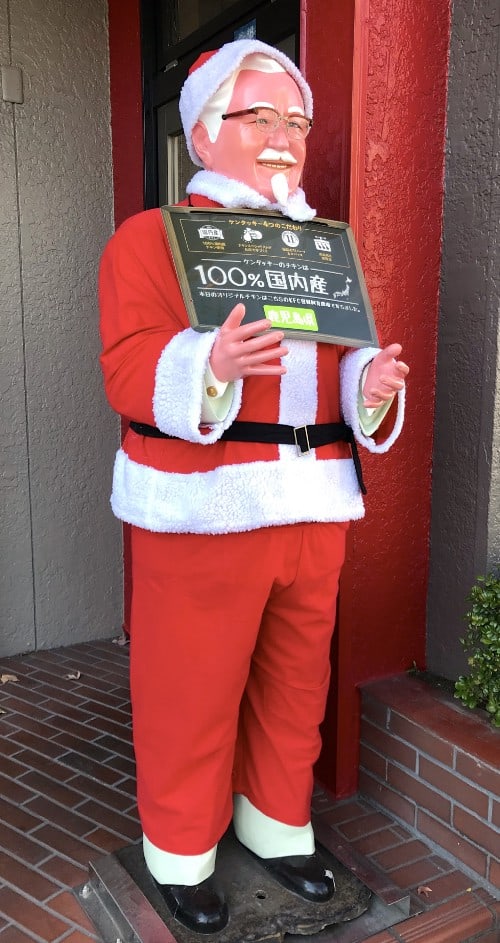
(232, 194)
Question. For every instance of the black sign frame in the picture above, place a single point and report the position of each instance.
(306, 277)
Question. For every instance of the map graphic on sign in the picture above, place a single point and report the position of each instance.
(305, 278)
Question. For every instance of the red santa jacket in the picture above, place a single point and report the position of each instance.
(154, 365)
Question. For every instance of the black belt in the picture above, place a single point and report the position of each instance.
(304, 438)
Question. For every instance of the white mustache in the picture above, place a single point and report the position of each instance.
(270, 154)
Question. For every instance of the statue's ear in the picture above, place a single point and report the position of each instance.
(202, 144)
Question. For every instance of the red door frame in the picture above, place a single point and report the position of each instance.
(380, 101)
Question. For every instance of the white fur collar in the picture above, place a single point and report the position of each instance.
(232, 194)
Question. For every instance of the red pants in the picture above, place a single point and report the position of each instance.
(230, 668)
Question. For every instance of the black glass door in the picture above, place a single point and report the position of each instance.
(173, 36)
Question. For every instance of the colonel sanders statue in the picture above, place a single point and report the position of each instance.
(237, 539)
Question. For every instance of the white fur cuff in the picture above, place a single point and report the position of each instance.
(179, 384)
(351, 369)
(168, 868)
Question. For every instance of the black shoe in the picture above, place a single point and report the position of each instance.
(199, 907)
(305, 875)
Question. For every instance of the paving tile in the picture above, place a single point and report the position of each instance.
(7, 747)
(364, 826)
(121, 824)
(101, 697)
(63, 697)
(380, 938)
(491, 902)
(64, 871)
(377, 841)
(16, 816)
(49, 811)
(412, 875)
(114, 714)
(22, 722)
(17, 874)
(67, 906)
(85, 747)
(67, 845)
(23, 738)
(441, 863)
(450, 841)
(128, 786)
(105, 840)
(12, 768)
(123, 764)
(116, 745)
(14, 935)
(453, 922)
(119, 801)
(78, 937)
(404, 853)
(24, 707)
(493, 937)
(23, 846)
(122, 731)
(14, 791)
(91, 767)
(44, 764)
(345, 812)
(444, 887)
(57, 791)
(30, 916)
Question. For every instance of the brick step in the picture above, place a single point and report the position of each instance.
(435, 767)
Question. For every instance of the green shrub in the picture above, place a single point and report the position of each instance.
(481, 687)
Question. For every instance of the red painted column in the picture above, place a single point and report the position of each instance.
(399, 113)
(127, 147)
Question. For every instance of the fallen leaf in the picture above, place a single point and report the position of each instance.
(5, 678)
(424, 891)
(73, 676)
(3, 712)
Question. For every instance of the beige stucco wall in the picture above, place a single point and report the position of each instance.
(494, 505)
(60, 548)
(465, 538)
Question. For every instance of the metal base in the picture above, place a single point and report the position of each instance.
(125, 906)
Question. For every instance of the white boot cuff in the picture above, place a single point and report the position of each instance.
(168, 868)
(267, 837)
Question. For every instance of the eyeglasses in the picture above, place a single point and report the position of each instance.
(267, 120)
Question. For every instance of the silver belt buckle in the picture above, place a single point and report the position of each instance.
(297, 444)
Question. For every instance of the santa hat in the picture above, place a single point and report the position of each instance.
(211, 69)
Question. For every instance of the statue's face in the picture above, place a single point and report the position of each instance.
(243, 152)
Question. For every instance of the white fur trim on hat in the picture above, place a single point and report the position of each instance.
(204, 81)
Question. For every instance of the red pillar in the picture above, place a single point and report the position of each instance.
(127, 148)
(396, 195)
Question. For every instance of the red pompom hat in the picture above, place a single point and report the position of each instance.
(212, 68)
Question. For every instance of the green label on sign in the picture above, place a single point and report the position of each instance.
(291, 318)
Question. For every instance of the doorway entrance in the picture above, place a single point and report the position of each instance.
(174, 33)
